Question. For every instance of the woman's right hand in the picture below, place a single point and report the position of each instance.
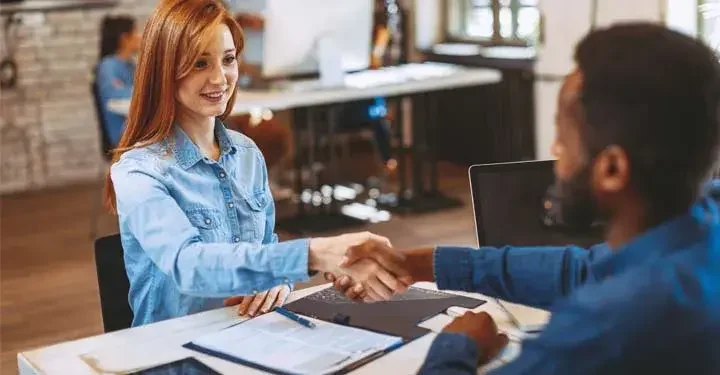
(377, 268)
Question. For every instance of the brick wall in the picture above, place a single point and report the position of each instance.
(48, 127)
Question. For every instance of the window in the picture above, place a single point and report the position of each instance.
(709, 19)
(501, 22)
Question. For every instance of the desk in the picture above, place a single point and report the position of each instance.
(161, 342)
(413, 81)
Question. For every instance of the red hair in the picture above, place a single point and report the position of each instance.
(175, 36)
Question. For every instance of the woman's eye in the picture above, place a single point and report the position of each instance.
(229, 59)
(200, 64)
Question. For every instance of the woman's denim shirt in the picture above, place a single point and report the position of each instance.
(195, 230)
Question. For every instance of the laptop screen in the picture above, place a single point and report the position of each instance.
(508, 204)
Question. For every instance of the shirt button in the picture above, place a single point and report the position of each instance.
(222, 174)
(286, 281)
(207, 221)
(231, 205)
(236, 239)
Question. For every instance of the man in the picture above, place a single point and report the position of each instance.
(637, 134)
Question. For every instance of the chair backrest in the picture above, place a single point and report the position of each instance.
(113, 283)
(105, 144)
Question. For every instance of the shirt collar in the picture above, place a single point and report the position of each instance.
(666, 238)
(188, 154)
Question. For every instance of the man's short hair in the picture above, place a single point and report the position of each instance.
(655, 93)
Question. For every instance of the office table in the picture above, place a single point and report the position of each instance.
(414, 81)
(142, 347)
(395, 81)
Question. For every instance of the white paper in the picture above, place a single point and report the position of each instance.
(275, 341)
(437, 323)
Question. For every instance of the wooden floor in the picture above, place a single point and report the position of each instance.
(48, 287)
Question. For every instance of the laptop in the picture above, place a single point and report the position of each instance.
(513, 205)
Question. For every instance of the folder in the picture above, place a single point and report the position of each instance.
(347, 334)
(275, 344)
(399, 316)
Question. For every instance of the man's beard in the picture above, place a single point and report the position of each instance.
(574, 207)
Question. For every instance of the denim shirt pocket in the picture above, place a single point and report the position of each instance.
(208, 221)
(253, 227)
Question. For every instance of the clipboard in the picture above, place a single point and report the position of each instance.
(275, 344)
(397, 318)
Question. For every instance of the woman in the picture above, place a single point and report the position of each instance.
(119, 43)
(195, 213)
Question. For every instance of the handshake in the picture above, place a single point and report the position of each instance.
(365, 267)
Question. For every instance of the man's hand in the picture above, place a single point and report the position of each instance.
(481, 328)
(326, 254)
(415, 265)
(344, 284)
(260, 303)
(366, 258)
(377, 282)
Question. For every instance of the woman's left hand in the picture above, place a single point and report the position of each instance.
(260, 303)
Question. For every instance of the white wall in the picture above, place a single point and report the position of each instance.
(566, 22)
(427, 22)
(682, 15)
(612, 11)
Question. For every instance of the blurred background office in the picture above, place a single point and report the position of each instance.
(52, 147)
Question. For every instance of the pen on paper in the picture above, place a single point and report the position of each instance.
(295, 317)
(510, 316)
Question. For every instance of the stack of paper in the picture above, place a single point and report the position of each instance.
(274, 342)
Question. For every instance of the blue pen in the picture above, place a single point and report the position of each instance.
(292, 316)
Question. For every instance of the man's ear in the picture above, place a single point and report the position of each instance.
(611, 172)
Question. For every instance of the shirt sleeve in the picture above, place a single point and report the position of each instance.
(150, 215)
(451, 354)
(533, 276)
(592, 331)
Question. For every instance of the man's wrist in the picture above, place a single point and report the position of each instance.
(420, 264)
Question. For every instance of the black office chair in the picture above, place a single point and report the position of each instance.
(105, 145)
(106, 148)
(113, 283)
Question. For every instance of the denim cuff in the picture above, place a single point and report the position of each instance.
(451, 352)
(453, 268)
(290, 260)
